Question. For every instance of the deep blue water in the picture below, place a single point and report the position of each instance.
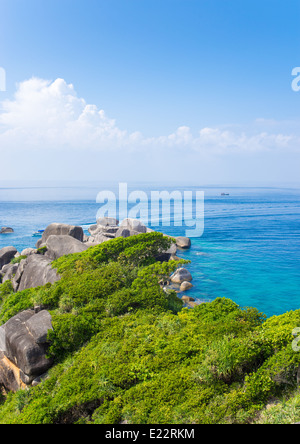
(249, 252)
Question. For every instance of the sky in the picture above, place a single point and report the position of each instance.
(194, 91)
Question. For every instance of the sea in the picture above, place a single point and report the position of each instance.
(249, 250)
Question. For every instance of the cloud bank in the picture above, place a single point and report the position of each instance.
(50, 114)
(46, 116)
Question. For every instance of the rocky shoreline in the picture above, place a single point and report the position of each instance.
(23, 339)
(32, 267)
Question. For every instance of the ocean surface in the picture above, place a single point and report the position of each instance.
(249, 252)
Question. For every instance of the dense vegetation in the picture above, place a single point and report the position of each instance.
(125, 351)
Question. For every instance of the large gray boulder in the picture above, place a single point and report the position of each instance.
(10, 271)
(183, 242)
(131, 227)
(99, 239)
(39, 325)
(9, 375)
(29, 251)
(172, 250)
(17, 278)
(61, 230)
(180, 276)
(186, 286)
(107, 222)
(6, 255)
(58, 246)
(126, 232)
(23, 348)
(95, 230)
(106, 226)
(134, 225)
(6, 230)
(36, 272)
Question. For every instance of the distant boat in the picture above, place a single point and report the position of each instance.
(225, 194)
(38, 233)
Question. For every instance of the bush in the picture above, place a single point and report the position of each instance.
(5, 290)
(126, 350)
(17, 260)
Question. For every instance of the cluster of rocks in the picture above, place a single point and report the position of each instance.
(35, 268)
(23, 339)
(109, 228)
(180, 281)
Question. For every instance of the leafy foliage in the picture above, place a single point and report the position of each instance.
(127, 351)
(17, 260)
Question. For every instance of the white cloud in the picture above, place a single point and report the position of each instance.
(50, 115)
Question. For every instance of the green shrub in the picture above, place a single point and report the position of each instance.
(17, 260)
(126, 350)
(5, 290)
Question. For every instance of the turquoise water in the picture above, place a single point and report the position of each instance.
(249, 252)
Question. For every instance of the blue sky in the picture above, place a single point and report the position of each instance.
(203, 86)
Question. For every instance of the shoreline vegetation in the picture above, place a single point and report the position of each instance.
(112, 343)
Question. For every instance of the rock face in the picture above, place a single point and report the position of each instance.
(180, 276)
(96, 230)
(6, 255)
(23, 347)
(183, 242)
(35, 271)
(58, 246)
(126, 232)
(29, 251)
(61, 230)
(187, 299)
(9, 271)
(134, 225)
(172, 250)
(93, 230)
(105, 230)
(108, 228)
(186, 286)
(190, 302)
(17, 278)
(107, 222)
(99, 239)
(131, 227)
(10, 377)
(6, 230)
(39, 326)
